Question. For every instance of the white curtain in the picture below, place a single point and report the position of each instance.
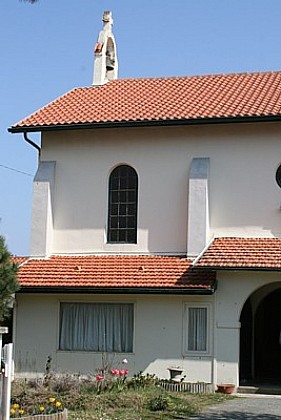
(96, 327)
(197, 329)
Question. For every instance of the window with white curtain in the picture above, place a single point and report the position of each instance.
(104, 327)
(196, 328)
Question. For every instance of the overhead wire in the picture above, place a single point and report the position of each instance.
(15, 170)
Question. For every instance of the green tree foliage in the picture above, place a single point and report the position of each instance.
(8, 280)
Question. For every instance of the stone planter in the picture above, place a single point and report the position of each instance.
(225, 388)
(175, 374)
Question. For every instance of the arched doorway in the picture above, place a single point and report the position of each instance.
(267, 334)
(260, 349)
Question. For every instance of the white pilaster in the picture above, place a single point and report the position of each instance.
(198, 206)
(42, 210)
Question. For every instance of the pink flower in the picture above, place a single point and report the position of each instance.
(115, 372)
(123, 372)
(99, 377)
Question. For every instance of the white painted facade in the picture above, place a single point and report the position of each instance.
(243, 196)
(240, 197)
(158, 344)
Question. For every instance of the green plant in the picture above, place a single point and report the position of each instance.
(8, 280)
(140, 380)
(48, 365)
(109, 378)
(79, 395)
(159, 403)
(48, 406)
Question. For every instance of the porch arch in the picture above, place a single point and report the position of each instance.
(260, 349)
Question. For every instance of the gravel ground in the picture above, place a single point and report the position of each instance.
(249, 407)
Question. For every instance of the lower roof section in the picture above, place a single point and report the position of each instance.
(148, 274)
(115, 274)
(242, 254)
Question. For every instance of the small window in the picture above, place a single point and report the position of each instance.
(196, 329)
(122, 205)
(278, 176)
(100, 327)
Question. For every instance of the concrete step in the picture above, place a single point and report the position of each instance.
(260, 389)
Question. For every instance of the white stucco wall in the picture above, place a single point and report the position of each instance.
(157, 345)
(244, 198)
(233, 290)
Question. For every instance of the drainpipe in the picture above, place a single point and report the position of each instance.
(32, 144)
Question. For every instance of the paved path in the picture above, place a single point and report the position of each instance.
(249, 408)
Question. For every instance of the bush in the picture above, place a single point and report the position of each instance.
(159, 403)
(140, 380)
(8, 280)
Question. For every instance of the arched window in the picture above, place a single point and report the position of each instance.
(122, 205)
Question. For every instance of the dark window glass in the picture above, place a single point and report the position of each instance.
(122, 205)
(114, 235)
(114, 222)
(123, 196)
(278, 176)
(122, 235)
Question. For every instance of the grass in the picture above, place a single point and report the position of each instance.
(136, 405)
(137, 400)
(128, 404)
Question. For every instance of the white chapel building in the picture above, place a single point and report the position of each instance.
(156, 226)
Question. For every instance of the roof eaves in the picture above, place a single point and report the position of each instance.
(146, 123)
(209, 290)
(235, 268)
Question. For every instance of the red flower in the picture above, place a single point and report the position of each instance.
(99, 378)
(123, 372)
(115, 372)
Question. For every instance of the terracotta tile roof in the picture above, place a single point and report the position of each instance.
(18, 260)
(242, 253)
(115, 272)
(166, 100)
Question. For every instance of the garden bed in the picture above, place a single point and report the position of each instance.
(108, 396)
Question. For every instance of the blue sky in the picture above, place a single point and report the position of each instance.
(47, 49)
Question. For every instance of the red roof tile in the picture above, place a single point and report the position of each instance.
(242, 253)
(115, 272)
(165, 100)
(18, 260)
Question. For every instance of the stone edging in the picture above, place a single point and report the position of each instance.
(194, 388)
(56, 416)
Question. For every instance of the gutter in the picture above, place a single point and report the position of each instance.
(145, 123)
(119, 290)
(38, 148)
